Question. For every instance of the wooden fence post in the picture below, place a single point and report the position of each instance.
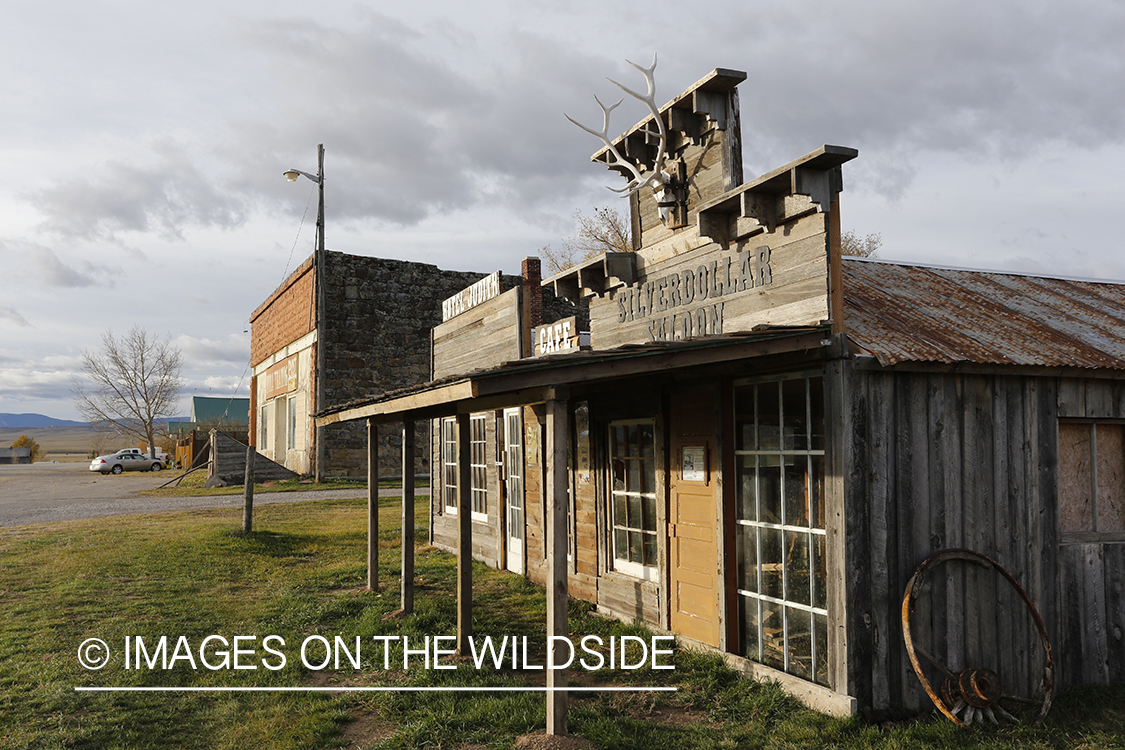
(372, 506)
(556, 508)
(248, 491)
(407, 603)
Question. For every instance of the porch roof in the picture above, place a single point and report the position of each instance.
(531, 381)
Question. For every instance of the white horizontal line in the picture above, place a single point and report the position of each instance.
(370, 689)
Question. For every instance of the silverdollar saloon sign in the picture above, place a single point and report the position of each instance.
(774, 279)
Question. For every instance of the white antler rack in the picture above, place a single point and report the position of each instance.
(657, 178)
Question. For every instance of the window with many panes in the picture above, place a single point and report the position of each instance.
(449, 464)
(478, 465)
(632, 448)
(780, 542)
(513, 455)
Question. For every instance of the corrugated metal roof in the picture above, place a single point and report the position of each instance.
(901, 313)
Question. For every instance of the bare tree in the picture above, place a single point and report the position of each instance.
(860, 247)
(132, 382)
(603, 232)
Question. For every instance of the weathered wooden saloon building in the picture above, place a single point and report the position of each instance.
(764, 439)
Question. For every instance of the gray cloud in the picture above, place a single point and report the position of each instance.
(1001, 79)
(54, 272)
(163, 197)
(235, 349)
(13, 315)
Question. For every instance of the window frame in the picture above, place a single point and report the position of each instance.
(448, 438)
(1091, 532)
(624, 565)
(478, 465)
(757, 530)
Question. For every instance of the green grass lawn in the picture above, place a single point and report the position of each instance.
(302, 574)
(192, 486)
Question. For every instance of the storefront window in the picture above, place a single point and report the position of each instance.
(478, 462)
(449, 464)
(780, 544)
(633, 497)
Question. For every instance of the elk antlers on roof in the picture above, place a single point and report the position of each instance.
(656, 177)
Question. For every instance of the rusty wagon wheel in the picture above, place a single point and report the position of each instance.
(974, 693)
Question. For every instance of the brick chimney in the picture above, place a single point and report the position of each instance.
(532, 278)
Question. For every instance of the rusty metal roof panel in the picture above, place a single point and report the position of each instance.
(900, 312)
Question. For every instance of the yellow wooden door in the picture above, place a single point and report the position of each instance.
(692, 513)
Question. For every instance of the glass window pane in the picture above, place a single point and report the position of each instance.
(748, 633)
(620, 513)
(634, 521)
(773, 635)
(648, 440)
(769, 488)
(796, 491)
(797, 567)
(746, 552)
(620, 544)
(618, 475)
(794, 412)
(771, 562)
(650, 549)
(800, 642)
(744, 418)
(816, 414)
(821, 643)
(647, 469)
(820, 574)
(648, 505)
(747, 488)
(768, 417)
(633, 482)
(635, 541)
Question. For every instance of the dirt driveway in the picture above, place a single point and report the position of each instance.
(46, 493)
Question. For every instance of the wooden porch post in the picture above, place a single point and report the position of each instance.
(407, 604)
(464, 536)
(557, 485)
(372, 506)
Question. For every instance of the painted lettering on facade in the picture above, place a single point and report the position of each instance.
(687, 304)
(556, 338)
(471, 296)
(281, 377)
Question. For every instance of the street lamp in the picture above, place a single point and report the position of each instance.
(319, 270)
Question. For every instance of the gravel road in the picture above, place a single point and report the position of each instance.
(47, 493)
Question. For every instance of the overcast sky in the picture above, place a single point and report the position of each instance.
(143, 144)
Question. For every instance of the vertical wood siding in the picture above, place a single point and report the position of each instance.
(1091, 586)
(934, 461)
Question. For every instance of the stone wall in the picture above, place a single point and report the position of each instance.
(379, 315)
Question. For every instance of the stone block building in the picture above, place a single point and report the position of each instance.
(378, 318)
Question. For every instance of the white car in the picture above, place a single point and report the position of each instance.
(115, 463)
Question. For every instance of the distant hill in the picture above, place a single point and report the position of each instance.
(36, 420)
